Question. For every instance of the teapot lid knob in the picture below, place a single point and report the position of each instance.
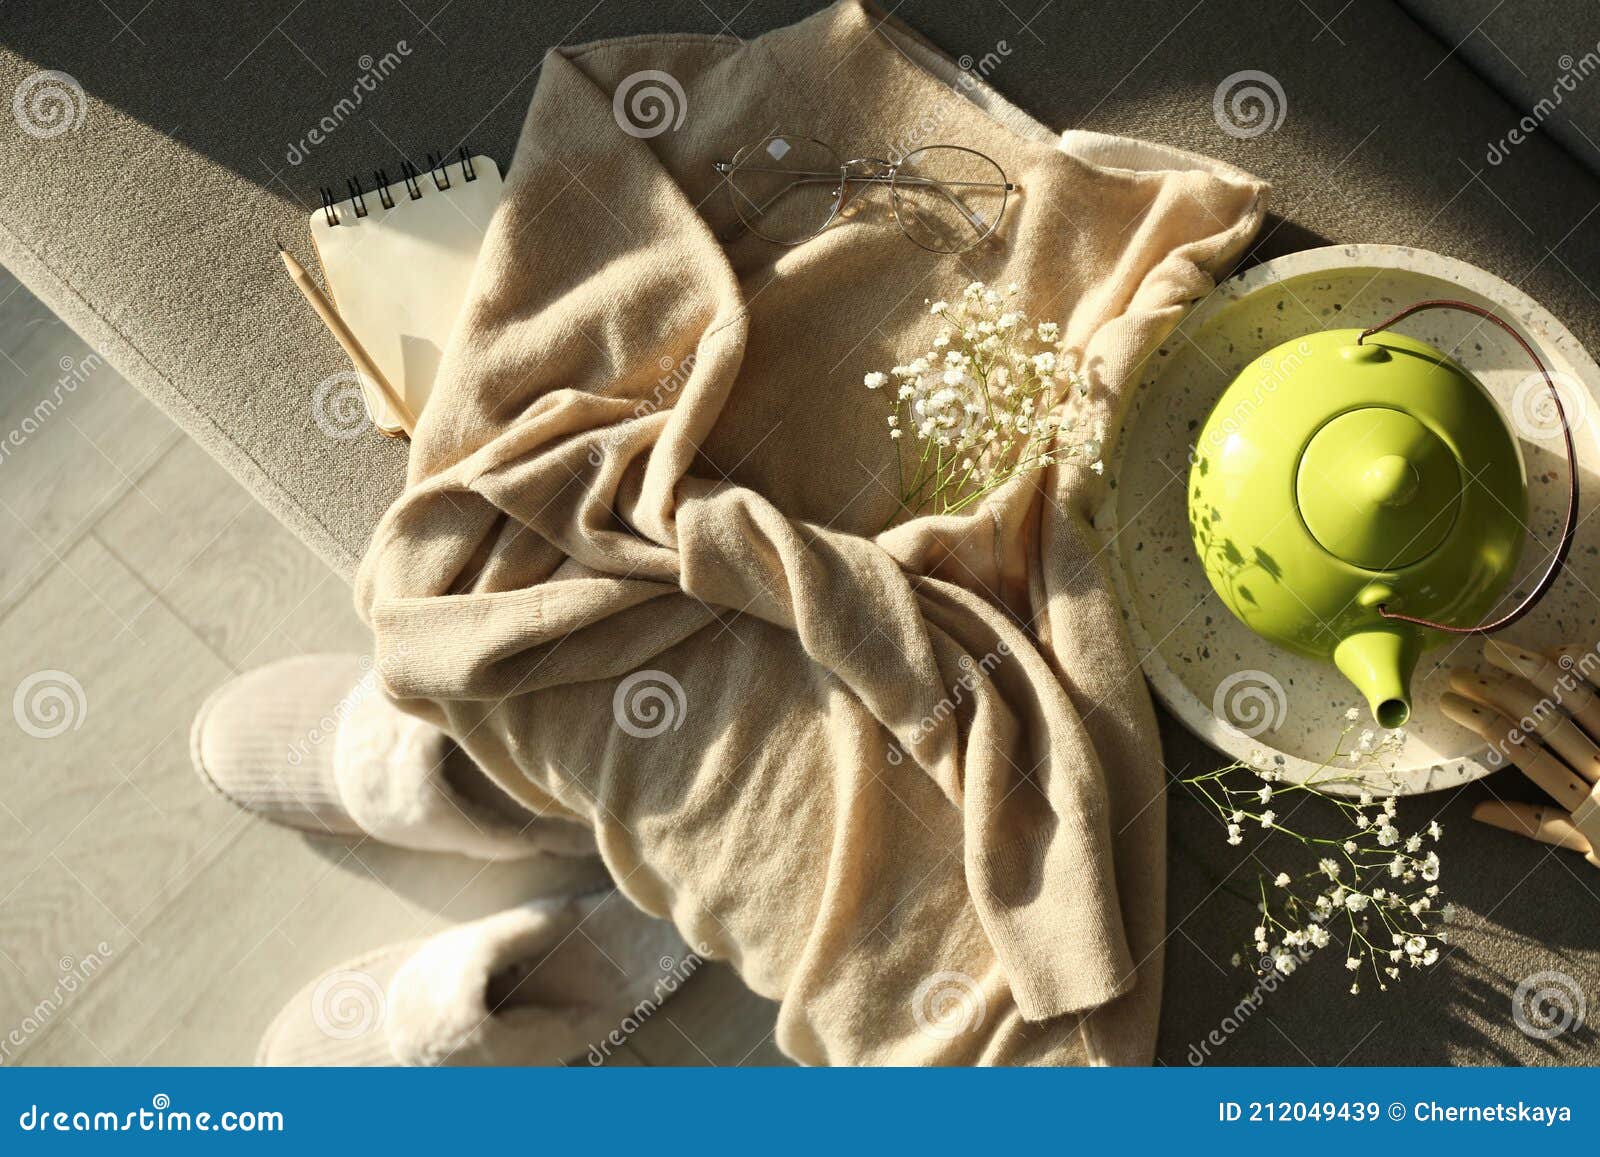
(1377, 488)
(1390, 480)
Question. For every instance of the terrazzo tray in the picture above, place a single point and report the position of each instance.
(1237, 691)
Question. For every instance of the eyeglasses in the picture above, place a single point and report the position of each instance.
(788, 189)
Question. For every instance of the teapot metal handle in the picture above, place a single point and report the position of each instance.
(1567, 530)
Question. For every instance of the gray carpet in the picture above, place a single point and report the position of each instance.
(149, 227)
(1545, 59)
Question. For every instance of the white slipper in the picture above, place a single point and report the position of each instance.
(313, 743)
(545, 983)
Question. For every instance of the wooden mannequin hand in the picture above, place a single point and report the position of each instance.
(1542, 712)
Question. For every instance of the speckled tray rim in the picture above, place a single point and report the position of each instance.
(1539, 324)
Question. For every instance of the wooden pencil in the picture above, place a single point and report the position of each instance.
(341, 332)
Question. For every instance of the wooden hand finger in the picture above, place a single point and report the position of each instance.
(1534, 713)
(1558, 780)
(1563, 685)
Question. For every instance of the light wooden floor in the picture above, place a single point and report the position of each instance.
(142, 919)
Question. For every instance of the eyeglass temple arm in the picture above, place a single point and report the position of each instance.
(726, 167)
(740, 228)
(812, 177)
(961, 206)
(806, 179)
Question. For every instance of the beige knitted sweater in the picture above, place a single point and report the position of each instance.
(649, 465)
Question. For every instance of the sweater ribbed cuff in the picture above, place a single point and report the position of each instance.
(1062, 945)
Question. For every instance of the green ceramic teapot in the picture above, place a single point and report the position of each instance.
(1354, 497)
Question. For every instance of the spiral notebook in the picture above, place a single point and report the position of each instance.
(397, 259)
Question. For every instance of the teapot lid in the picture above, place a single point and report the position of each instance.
(1378, 488)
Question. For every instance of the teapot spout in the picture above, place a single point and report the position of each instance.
(1380, 663)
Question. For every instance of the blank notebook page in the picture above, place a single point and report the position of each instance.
(399, 275)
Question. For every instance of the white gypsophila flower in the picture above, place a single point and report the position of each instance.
(1352, 714)
(1285, 963)
(1354, 913)
(939, 411)
(1005, 418)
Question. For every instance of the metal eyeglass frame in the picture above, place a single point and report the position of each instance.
(856, 172)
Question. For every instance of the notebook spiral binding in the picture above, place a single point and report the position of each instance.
(355, 194)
